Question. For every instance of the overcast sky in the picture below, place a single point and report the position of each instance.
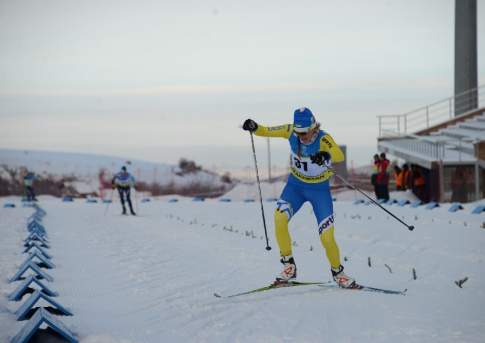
(160, 80)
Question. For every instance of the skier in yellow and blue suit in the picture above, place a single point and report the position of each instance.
(312, 152)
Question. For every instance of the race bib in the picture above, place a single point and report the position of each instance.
(305, 167)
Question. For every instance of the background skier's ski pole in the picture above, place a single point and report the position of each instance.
(410, 227)
(259, 188)
(136, 200)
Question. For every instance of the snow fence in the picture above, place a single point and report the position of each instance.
(34, 279)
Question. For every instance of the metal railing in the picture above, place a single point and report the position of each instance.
(416, 144)
(424, 117)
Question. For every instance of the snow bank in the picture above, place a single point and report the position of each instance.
(244, 191)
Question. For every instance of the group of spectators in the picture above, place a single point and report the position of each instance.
(412, 179)
(405, 178)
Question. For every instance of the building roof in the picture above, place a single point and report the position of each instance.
(452, 145)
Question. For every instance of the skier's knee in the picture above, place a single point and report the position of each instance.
(327, 237)
(283, 211)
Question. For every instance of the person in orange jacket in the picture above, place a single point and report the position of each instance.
(406, 177)
(398, 176)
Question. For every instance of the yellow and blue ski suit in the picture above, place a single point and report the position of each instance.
(307, 181)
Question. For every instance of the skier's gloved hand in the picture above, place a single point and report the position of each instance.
(250, 125)
(322, 158)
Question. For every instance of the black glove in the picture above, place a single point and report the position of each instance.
(250, 125)
(321, 158)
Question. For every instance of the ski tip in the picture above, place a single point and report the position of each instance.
(217, 295)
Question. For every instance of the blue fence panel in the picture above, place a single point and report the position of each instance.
(432, 205)
(25, 288)
(456, 206)
(42, 316)
(27, 309)
(33, 267)
(479, 209)
(35, 247)
(417, 203)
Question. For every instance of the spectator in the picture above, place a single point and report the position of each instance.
(406, 177)
(373, 178)
(383, 178)
(398, 176)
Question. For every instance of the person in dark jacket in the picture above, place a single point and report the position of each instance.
(382, 179)
(123, 181)
(29, 186)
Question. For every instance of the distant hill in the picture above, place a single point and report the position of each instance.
(85, 169)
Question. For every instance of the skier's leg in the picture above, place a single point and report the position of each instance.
(321, 201)
(323, 207)
(122, 198)
(331, 248)
(281, 218)
(28, 191)
(288, 204)
(128, 199)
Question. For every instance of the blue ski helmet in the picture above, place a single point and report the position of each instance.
(303, 120)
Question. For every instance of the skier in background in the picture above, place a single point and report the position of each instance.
(29, 186)
(123, 181)
(312, 151)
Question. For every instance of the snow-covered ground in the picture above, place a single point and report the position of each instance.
(151, 278)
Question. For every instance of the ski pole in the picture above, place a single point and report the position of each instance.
(410, 227)
(259, 188)
(136, 200)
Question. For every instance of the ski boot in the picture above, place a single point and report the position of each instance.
(289, 270)
(124, 211)
(342, 279)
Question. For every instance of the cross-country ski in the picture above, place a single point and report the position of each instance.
(328, 285)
